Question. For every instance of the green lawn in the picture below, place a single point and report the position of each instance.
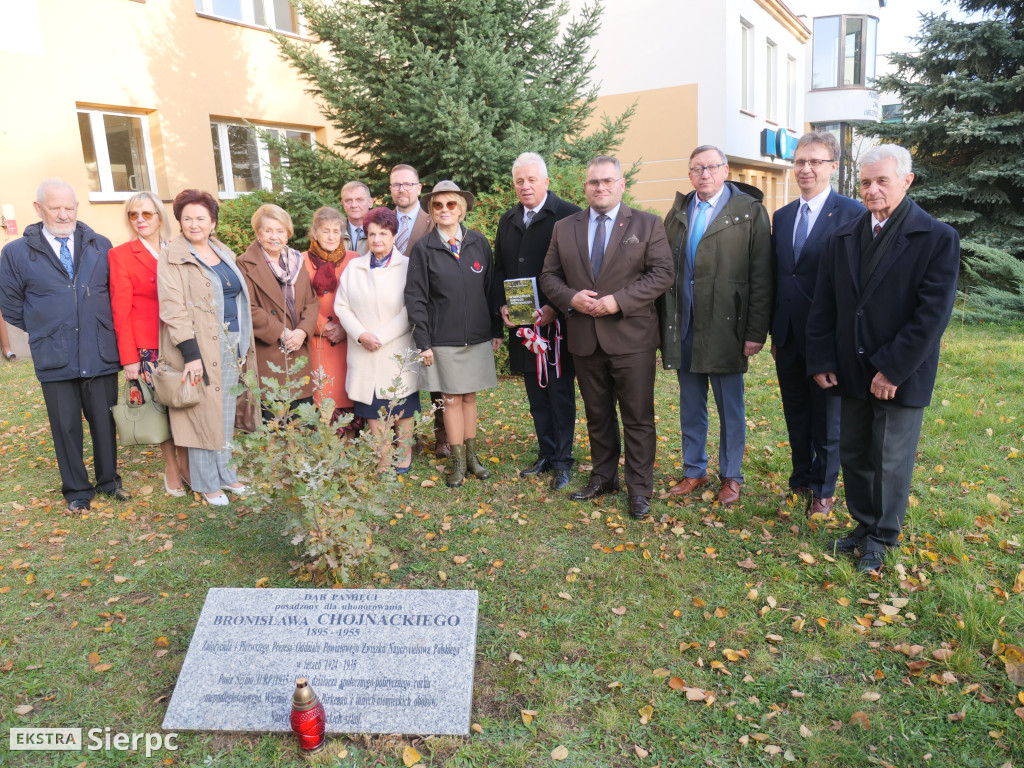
(708, 638)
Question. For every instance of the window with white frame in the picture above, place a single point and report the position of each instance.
(771, 76)
(117, 152)
(243, 160)
(274, 14)
(791, 94)
(844, 52)
(746, 65)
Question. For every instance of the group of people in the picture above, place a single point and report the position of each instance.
(855, 300)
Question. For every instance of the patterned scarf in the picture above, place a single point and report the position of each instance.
(286, 275)
(326, 278)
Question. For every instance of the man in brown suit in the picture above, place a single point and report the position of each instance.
(605, 267)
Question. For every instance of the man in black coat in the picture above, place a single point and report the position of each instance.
(524, 234)
(885, 293)
(54, 285)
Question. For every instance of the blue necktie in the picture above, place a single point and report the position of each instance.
(697, 231)
(800, 237)
(65, 256)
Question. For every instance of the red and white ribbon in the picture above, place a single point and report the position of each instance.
(544, 350)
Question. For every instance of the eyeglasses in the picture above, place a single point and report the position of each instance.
(147, 215)
(406, 185)
(599, 183)
(698, 170)
(451, 205)
(811, 163)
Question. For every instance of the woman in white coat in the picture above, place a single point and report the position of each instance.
(370, 305)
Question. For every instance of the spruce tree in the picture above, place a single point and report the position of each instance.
(963, 105)
(456, 88)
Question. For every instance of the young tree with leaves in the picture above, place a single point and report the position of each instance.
(456, 88)
(963, 104)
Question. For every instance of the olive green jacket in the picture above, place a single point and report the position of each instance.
(729, 288)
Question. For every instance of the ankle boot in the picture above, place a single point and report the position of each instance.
(458, 464)
(473, 461)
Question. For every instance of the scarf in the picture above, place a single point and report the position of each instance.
(286, 276)
(872, 248)
(325, 280)
(376, 263)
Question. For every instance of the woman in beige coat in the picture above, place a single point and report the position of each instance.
(370, 305)
(201, 293)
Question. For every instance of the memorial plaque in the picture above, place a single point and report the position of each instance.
(381, 660)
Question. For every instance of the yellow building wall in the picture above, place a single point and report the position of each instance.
(157, 56)
(660, 138)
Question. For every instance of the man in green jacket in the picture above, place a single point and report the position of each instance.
(716, 314)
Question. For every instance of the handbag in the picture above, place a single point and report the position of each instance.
(142, 423)
(170, 390)
(247, 413)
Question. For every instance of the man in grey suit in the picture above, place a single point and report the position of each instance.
(357, 201)
(799, 233)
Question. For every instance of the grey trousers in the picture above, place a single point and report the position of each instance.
(877, 443)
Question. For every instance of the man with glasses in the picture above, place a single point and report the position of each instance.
(799, 233)
(604, 269)
(414, 223)
(357, 201)
(54, 285)
(715, 315)
(521, 243)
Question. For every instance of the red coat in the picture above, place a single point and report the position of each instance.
(133, 299)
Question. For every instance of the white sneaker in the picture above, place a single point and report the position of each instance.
(220, 500)
(238, 490)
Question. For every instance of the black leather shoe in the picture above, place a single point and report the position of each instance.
(542, 466)
(560, 480)
(595, 488)
(118, 494)
(870, 562)
(639, 507)
(847, 545)
(79, 505)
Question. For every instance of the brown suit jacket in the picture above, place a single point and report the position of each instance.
(636, 270)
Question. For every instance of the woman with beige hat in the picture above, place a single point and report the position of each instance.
(453, 304)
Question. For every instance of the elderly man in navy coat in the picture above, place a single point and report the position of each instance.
(885, 293)
(799, 232)
(54, 284)
(524, 234)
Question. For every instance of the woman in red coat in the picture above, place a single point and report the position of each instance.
(325, 261)
(136, 310)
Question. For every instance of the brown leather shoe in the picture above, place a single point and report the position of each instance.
(442, 450)
(729, 493)
(820, 506)
(688, 485)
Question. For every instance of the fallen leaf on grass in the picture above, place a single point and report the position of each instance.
(888, 610)
(477, 728)
(807, 557)
(102, 667)
(956, 717)
(946, 678)
(747, 565)
(560, 752)
(942, 654)
(261, 583)
(1018, 583)
(527, 715)
(620, 611)
(23, 709)
(676, 683)
(514, 657)
(1013, 657)
(94, 659)
(120, 579)
(1019, 712)
(870, 696)
(858, 718)
(645, 714)
(661, 672)
(698, 603)
(640, 751)
(805, 732)
(695, 694)
(410, 756)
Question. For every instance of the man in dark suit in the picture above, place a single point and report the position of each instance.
(524, 234)
(885, 293)
(54, 285)
(715, 315)
(414, 223)
(799, 232)
(604, 269)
